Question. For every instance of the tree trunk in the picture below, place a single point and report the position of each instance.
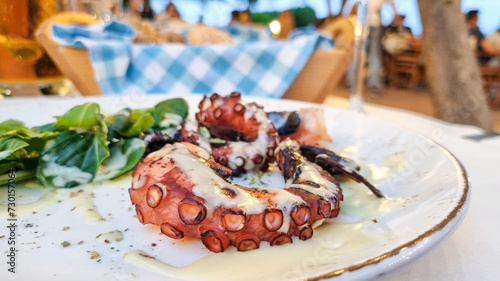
(451, 66)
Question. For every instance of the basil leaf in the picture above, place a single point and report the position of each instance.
(11, 125)
(125, 154)
(141, 122)
(12, 148)
(80, 116)
(72, 158)
(15, 128)
(129, 123)
(177, 105)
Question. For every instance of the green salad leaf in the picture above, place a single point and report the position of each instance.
(129, 123)
(124, 155)
(15, 128)
(11, 126)
(80, 116)
(71, 159)
(178, 106)
(11, 148)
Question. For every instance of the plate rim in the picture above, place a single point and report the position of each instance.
(453, 214)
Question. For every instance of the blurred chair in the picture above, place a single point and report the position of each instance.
(491, 82)
(404, 70)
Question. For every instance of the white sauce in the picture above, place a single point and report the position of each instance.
(114, 163)
(40, 200)
(248, 151)
(110, 237)
(63, 174)
(208, 185)
(83, 203)
(171, 120)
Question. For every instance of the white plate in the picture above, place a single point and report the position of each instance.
(427, 195)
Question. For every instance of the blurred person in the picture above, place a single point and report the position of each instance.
(235, 17)
(242, 17)
(287, 24)
(494, 39)
(398, 39)
(374, 41)
(172, 12)
(483, 48)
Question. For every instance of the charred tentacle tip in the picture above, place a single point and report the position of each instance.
(335, 164)
(324, 160)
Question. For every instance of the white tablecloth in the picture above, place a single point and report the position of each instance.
(472, 252)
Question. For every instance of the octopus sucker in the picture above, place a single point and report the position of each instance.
(300, 214)
(306, 233)
(324, 208)
(215, 242)
(273, 219)
(192, 211)
(172, 232)
(155, 194)
(280, 239)
(185, 187)
(247, 243)
(233, 220)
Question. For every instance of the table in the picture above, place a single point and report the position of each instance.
(468, 254)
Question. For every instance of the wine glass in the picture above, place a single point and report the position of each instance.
(358, 60)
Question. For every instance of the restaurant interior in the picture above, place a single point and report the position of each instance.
(410, 89)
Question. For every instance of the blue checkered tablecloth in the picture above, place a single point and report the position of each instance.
(252, 66)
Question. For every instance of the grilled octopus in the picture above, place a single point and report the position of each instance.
(185, 187)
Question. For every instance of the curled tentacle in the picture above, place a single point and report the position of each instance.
(248, 137)
(335, 164)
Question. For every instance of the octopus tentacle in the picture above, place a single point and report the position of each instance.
(250, 138)
(335, 164)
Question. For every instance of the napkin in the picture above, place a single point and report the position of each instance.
(258, 68)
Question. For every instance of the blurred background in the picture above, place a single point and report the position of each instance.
(218, 12)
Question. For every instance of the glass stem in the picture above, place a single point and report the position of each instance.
(358, 60)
